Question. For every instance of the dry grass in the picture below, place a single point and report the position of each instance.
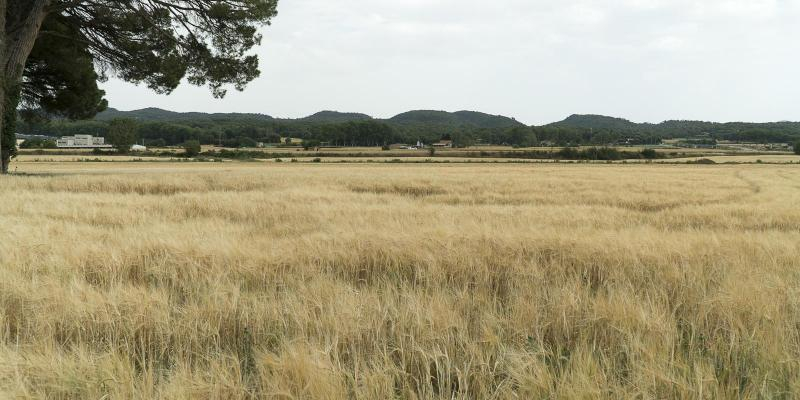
(267, 280)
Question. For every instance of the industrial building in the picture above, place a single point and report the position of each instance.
(82, 141)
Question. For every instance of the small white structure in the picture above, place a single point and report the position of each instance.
(81, 141)
(444, 143)
(138, 147)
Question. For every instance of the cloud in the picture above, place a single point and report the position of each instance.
(537, 60)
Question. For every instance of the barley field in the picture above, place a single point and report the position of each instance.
(412, 281)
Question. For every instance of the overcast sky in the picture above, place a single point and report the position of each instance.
(536, 60)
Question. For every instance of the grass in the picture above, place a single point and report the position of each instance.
(372, 281)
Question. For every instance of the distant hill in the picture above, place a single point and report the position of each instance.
(335, 117)
(469, 118)
(420, 117)
(486, 120)
(174, 128)
(768, 132)
(591, 121)
(424, 123)
(157, 114)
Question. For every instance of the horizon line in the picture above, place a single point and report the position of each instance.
(449, 112)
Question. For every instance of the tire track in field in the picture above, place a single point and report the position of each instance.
(789, 178)
(753, 189)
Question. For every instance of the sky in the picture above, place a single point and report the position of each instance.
(535, 60)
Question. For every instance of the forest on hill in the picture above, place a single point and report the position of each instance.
(161, 127)
(770, 132)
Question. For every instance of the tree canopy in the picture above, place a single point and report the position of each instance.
(59, 77)
(122, 134)
(53, 52)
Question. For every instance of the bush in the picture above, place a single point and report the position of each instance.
(649, 154)
(273, 138)
(592, 153)
(37, 143)
(246, 142)
(797, 147)
(157, 142)
(191, 148)
(568, 153)
(385, 148)
(310, 143)
(31, 144)
(239, 154)
(601, 153)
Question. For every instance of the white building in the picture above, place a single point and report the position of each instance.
(81, 141)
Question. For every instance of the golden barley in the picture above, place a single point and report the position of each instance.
(322, 281)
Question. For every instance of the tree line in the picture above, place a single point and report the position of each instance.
(53, 53)
(247, 132)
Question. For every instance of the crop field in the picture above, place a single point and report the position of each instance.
(409, 281)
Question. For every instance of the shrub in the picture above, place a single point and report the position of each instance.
(191, 148)
(649, 154)
(797, 147)
(37, 143)
(271, 138)
(310, 143)
(246, 142)
(592, 153)
(157, 142)
(568, 153)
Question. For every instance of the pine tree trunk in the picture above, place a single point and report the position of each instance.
(8, 127)
(14, 51)
(4, 160)
(3, 45)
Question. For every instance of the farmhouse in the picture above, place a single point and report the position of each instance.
(81, 141)
(444, 143)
